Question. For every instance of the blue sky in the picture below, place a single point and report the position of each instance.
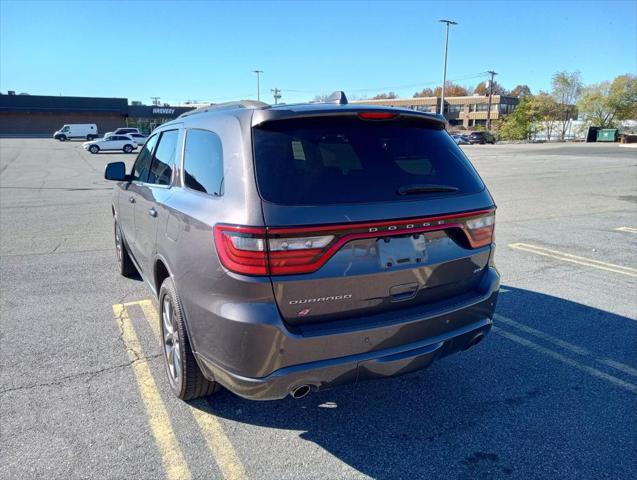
(207, 50)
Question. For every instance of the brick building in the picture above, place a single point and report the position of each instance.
(468, 112)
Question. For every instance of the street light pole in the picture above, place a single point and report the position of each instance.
(258, 72)
(444, 70)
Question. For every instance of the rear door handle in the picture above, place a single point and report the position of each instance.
(152, 212)
(131, 199)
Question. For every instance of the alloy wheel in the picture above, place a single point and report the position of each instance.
(172, 343)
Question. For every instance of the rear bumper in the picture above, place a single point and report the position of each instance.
(423, 339)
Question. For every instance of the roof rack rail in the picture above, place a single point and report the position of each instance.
(226, 106)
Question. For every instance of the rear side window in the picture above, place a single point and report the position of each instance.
(142, 164)
(348, 160)
(161, 168)
(203, 162)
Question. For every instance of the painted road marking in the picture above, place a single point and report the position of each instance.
(566, 345)
(567, 257)
(626, 229)
(557, 356)
(172, 457)
(219, 444)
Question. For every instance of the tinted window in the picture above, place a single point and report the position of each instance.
(203, 162)
(348, 160)
(162, 167)
(142, 164)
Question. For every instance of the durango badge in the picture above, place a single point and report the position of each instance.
(321, 299)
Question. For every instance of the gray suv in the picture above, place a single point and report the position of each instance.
(298, 247)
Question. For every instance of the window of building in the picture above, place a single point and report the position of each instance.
(142, 164)
(203, 162)
(161, 168)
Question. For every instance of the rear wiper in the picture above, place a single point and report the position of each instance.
(425, 188)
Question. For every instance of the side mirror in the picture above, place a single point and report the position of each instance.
(115, 171)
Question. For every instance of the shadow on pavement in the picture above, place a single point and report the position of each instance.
(499, 410)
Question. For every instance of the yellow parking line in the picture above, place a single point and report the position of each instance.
(626, 229)
(568, 361)
(567, 257)
(211, 428)
(172, 457)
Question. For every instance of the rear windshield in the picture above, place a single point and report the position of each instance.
(348, 160)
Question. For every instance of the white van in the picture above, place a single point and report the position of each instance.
(76, 130)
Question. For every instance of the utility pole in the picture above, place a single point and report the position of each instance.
(493, 74)
(155, 100)
(258, 72)
(444, 69)
(276, 93)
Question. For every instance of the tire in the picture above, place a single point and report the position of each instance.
(62, 138)
(124, 263)
(90, 137)
(94, 149)
(128, 148)
(184, 376)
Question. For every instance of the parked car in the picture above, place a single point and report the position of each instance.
(298, 247)
(460, 139)
(111, 142)
(139, 138)
(481, 138)
(76, 130)
(122, 131)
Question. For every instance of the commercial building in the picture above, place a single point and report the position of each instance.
(468, 112)
(40, 115)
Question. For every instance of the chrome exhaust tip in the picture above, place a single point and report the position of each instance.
(300, 391)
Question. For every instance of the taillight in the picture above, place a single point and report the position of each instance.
(377, 115)
(480, 230)
(242, 249)
(288, 251)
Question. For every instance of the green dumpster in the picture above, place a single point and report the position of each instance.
(607, 135)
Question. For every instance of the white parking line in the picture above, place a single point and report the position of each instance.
(567, 257)
(557, 356)
(566, 345)
(626, 229)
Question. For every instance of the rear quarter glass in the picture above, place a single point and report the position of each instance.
(331, 160)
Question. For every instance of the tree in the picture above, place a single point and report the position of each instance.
(603, 104)
(566, 90)
(482, 88)
(385, 96)
(546, 113)
(425, 92)
(534, 114)
(519, 124)
(452, 90)
(520, 91)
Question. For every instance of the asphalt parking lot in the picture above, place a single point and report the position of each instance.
(551, 393)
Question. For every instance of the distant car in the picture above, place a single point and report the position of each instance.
(76, 130)
(460, 139)
(111, 142)
(139, 138)
(481, 138)
(122, 131)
